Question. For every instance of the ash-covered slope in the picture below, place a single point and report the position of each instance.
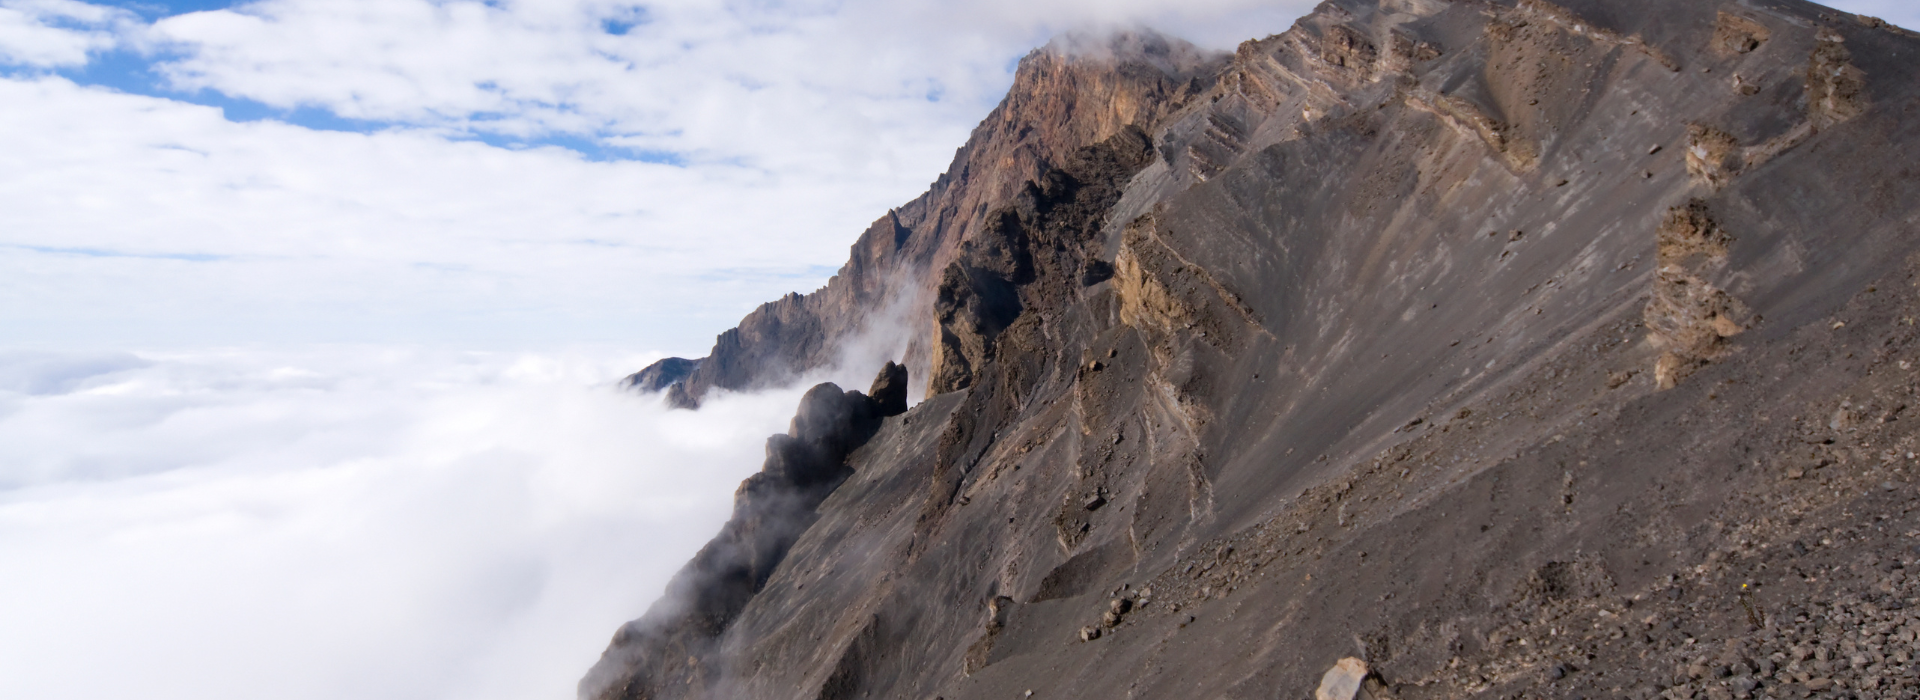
(1517, 349)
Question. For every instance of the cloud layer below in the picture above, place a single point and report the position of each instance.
(343, 522)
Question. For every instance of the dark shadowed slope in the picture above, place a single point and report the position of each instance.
(1519, 349)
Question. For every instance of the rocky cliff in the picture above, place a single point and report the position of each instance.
(1065, 96)
(1502, 349)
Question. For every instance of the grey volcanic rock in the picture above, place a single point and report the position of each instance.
(1517, 349)
(1069, 95)
(770, 511)
(889, 390)
(658, 376)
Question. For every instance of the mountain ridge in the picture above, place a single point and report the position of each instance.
(1059, 102)
(1512, 348)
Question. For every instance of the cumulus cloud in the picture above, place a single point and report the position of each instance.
(140, 220)
(343, 522)
(49, 33)
(588, 170)
(783, 83)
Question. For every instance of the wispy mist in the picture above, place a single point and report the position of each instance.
(347, 523)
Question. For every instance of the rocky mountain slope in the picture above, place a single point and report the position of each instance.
(1514, 349)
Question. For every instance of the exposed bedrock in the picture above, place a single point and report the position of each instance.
(660, 375)
(1474, 348)
(771, 509)
(1073, 93)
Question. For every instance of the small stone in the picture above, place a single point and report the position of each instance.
(1558, 672)
(1342, 682)
(1087, 634)
(1655, 149)
(1818, 684)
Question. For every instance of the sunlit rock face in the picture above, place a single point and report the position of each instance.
(1498, 348)
(1071, 94)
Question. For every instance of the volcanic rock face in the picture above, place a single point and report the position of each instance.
(661, 375)
(771, 510)
(1065, 97)
(1507, 348)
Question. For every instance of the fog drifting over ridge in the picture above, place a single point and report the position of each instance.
(344, 522)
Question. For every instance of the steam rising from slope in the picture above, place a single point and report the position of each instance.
(366, 523)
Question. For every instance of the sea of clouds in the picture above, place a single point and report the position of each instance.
(344, 522)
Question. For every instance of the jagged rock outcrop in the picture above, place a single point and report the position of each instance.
(889, 390)
(1517, 349)
(1033, 253)
(660, 375)
(770, 511)
(1688, 318)
(1071, 94)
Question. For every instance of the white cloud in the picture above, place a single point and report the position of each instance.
(145, 220)
(781, 84)
(343, 522)
(49, 33)
(132, 219)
